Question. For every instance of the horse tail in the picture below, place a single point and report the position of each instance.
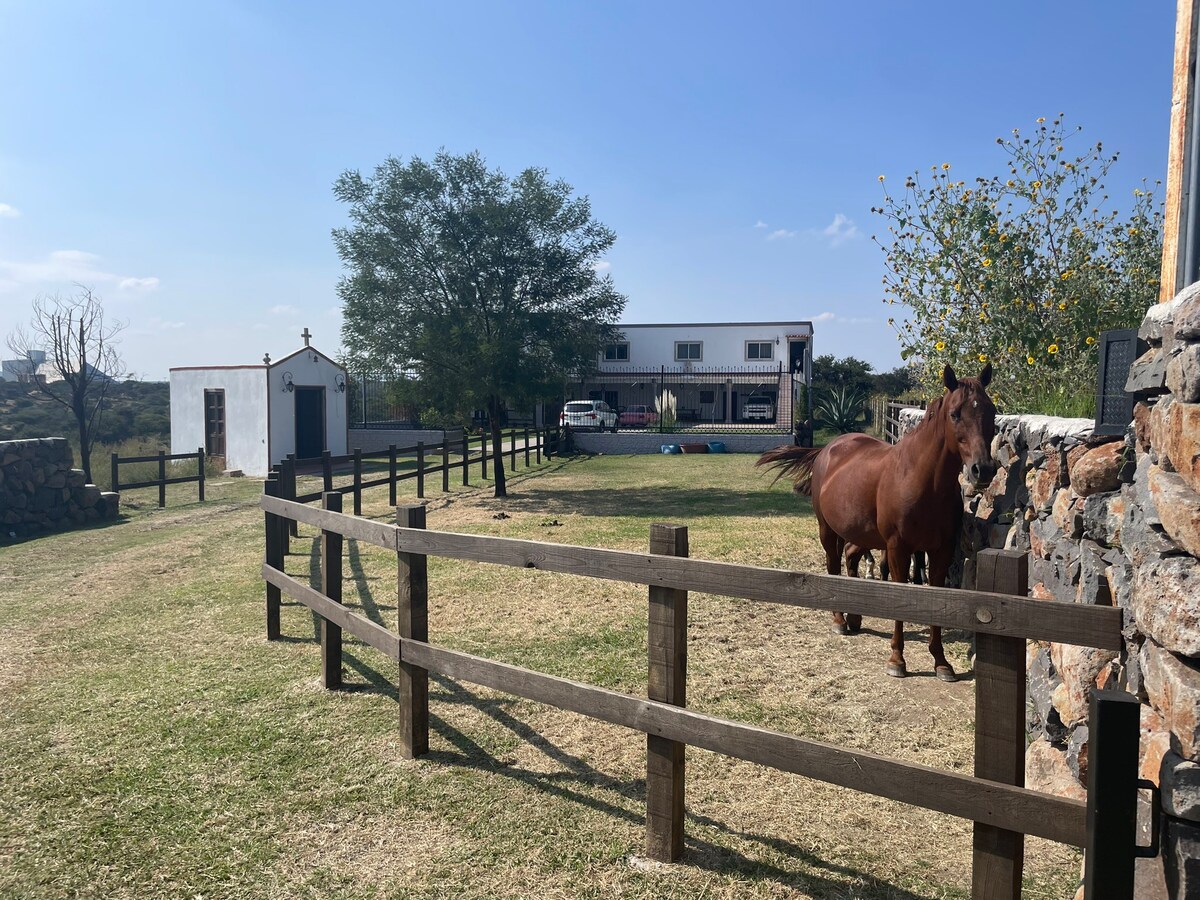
(795, 462)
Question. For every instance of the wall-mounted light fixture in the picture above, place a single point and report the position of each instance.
(339, 383)
(288, 387)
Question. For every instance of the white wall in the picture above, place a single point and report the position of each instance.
(308, 368)
(651, 346)
(245, 414)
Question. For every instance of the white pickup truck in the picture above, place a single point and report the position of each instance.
(758, 408)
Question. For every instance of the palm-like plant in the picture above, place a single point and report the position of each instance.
(840, 408)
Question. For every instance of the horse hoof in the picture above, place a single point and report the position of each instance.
(854, 624)
(839, 630)
(945, 673)
(897, 670)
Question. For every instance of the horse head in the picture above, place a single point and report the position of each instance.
(970, 423)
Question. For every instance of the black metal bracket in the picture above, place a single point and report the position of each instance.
(1150, 851)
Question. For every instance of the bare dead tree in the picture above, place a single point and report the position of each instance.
(81, 359)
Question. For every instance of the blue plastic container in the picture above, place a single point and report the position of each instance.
(671, 448)
(716, 447)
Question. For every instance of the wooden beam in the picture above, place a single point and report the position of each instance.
(361, 627)
(331, 587)
(412, 622)
(1001, 805)
(1182, 93)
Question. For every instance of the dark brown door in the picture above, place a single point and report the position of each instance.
(214, 422)
(310, 421)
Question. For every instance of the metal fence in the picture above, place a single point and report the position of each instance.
(670, 399)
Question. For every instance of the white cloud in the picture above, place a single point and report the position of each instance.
(844, 320)
(8, 212)
(824, 317)
(760, 224)
(781, 233)
(63, 268)
(840, 230)
(602, 266)
(282, 309)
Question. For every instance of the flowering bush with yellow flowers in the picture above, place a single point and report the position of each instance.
(1023, 271)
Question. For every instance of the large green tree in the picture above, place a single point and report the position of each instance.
(486, 287)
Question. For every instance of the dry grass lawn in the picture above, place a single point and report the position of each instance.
(153, 744)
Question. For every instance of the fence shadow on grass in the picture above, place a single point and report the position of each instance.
(669, 501)
(580, 775)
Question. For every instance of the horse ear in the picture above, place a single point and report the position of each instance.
(985, 376)
(949, 379)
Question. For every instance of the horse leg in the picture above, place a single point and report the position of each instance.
(920, 575)
(939, 566)
(854, 555)
(834, 546)
(897, 561)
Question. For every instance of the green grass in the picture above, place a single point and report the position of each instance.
(153, 744)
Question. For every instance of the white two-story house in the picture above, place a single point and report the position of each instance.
(728, 373)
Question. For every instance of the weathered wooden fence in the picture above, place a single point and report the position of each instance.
(995, 799)
(892, 430)
(527, 445)
(162, 458)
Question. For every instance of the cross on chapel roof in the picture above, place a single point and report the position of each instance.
(307, 337)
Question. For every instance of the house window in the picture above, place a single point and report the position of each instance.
(686, 351)
(760, 350)
(214, 422)
(618, 352)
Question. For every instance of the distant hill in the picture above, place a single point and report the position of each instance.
(132, 409)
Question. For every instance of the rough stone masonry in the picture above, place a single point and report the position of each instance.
(40, 491)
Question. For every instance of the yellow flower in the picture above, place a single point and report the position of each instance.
(1010, 183)
(945, 166)
(1133, 231)
(1010, 348)
(939, 346)
(1036, 185)
(1052, 349)
(1029, 359)
(881, 178)
(986, 263)
(983, 357)
(1091, 340)
(1062, 306)
(1065, 275)
(1041, 119)
(1003, 238)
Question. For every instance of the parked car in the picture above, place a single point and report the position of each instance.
(758, 407)
(592, 415)
(638, 416)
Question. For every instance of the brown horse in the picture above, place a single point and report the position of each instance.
(904, 499)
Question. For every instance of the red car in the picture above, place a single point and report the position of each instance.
(638, 416)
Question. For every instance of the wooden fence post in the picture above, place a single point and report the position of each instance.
(116, 473)
(527, 446)
(162, 478)
(200, 472)
(483, 455)
(466, 455)
(445, 463)
(331, 587)
(273, 558)
(998, 855)
(357, 481)
(326, 471)
(538, 444)
(412, 620)
(391, 474)
(290, 492)
(420, 469)
(1108, 862)
(512, 450)
(667, 681)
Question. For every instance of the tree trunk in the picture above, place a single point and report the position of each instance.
(85, 454)
(494, 409)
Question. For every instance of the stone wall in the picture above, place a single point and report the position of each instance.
(39, 491)
(1114, 521)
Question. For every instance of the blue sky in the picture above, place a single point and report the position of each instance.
(179, 158)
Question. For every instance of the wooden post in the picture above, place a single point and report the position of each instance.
(116, 477)
(512, 450)
(538, 444)
(326, 471)
(1183, 90)
(483, 448)
(162, 478)
(466, 455)
(391, 474)
(527, 447)
(357, 481)
(412, 619)
(667, 650)
(445, 463)
(200, 472)
(1113, 729)
(420, 469)
(331, 587)
(999, 855)
(273, 558)
(290, 493)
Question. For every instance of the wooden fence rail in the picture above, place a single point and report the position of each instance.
(994, 798)
(892, 427)
(430, 459)
(162, 458)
